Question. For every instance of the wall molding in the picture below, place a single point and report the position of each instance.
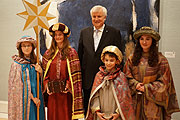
(4, 107)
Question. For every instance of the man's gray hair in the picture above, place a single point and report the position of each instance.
(97, 8)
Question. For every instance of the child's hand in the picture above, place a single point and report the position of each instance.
(115, 116)
(66, 88)
(140, 87)
(35, 100)
(48, 92)
(100, 115)
(38, 68)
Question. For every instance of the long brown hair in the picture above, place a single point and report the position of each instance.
(33, 58)
(153, 54)
(64, 49)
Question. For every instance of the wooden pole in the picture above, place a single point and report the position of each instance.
(32, 9)
(37, 53)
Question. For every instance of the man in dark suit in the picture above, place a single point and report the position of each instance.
(91, 43)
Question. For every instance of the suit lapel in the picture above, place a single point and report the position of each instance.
(91, 39)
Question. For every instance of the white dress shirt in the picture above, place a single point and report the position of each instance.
(97, 36)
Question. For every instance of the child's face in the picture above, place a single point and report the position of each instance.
(26, 48)
(59, 37)
(145, 42)
(110, 62)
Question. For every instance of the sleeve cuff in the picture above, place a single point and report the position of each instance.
(95, 109)
(117, 111)
(78, 116)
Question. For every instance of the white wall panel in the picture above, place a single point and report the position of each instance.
(170, 39)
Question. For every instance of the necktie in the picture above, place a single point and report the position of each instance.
(96, 39)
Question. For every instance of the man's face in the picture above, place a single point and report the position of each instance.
(98, 19)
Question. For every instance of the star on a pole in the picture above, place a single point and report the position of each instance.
(36, 15)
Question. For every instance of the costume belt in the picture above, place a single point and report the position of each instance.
(57, 86)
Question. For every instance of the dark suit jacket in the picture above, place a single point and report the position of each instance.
(91, 59)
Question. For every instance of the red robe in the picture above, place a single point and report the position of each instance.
(60, 105)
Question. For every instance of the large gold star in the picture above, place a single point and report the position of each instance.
(36, 15)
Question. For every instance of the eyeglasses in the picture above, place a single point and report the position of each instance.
(28, 46)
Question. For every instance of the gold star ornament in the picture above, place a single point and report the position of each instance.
(36, 15)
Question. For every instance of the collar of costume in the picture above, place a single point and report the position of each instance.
(145, 54)
(20, 60)
(112, 74)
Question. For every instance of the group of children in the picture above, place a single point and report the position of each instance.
(144, 90)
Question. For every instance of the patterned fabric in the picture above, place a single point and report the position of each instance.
(59, 27)
(148, 31)
(22, 82)
(76, 90)
(159, 99)
(26, 39)
(122, 93)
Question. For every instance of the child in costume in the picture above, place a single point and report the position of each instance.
(110, 96)
(150, 79)
(62, 77)
(22, 89)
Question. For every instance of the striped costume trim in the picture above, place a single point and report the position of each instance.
(25, 90)
(25, 94)
(49, 63)
(73, 112)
